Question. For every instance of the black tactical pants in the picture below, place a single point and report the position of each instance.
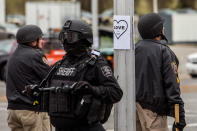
(96, 127)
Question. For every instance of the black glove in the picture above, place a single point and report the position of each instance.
(32, 90)
(179, 125)
(83, 87)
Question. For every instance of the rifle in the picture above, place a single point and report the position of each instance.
(53, 69)
(65, 88)
(34, 89)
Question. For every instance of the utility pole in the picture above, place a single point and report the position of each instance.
(125, 110)
(2, 11)
(155, 6)
(95, 23)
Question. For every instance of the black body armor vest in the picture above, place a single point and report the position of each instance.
(63, 103)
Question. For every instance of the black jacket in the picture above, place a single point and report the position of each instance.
(157, 82)
(96, 72)
(26, 66)
(101, 76)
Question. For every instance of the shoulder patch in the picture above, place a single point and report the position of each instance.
(106, 70)
(174, 67)
(45, 60)
(95, 52)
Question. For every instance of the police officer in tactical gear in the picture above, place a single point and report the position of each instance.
(157, 81)
(27, 65)
(82, 87)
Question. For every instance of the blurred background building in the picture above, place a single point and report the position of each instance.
(180, 20)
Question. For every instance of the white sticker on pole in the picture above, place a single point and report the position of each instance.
(121, 31)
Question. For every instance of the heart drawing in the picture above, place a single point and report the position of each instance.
(120, 27)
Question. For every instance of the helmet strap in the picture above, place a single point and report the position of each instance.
(37, 44)
(163, 37)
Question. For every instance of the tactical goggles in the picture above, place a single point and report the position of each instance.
(70, 36)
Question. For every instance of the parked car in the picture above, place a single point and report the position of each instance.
(17, 19)
(106, 18)
(7, 47)
(106, 45)
(186, 11)
(4, 34)
(191, 65)
(86, 16)
(10, 28)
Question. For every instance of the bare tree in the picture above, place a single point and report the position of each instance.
(15, 6)
(189, 4)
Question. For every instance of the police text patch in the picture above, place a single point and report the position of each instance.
(106, 70)
(63, 71)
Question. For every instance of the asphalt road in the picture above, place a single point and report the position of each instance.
(189, 97)
(188, 88)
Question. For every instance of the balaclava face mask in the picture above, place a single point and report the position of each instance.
(77, 49)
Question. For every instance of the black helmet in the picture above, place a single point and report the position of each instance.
(150, 26)
(74, 31)
(28, 33)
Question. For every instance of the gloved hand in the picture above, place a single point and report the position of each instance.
(31, 90)
(179, 125)
(83, 87)
(182, 122)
